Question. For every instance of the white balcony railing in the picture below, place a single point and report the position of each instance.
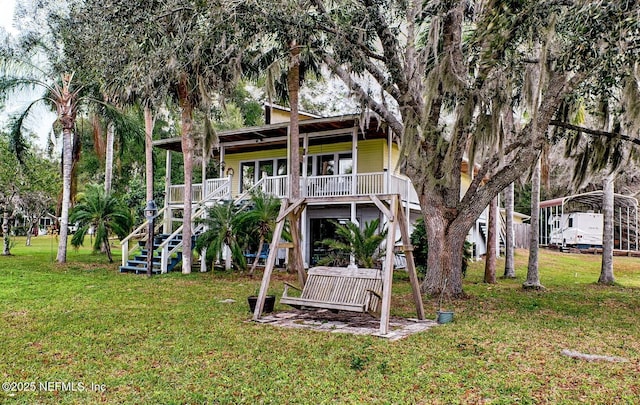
(176, 193)
(313, 186)
(217, 188)
(277, 186)
(214, 189)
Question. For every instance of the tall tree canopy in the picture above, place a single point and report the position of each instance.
(474, 84)
(183, 52)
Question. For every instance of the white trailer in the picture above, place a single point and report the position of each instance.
(578, 229)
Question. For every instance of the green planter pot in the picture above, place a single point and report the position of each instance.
(444, 316)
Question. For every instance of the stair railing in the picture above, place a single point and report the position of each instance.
(124, 243)
(250, 190)
(164, 246)
(141, 230)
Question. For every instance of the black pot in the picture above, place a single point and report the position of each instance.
(269, 302)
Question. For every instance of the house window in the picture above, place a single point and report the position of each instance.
(265, 168)
(325, 165)
(345, 163)
(282, 167)
(252, 171)
(248, 175)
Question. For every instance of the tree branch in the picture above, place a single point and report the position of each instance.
(390, 46)
(595, 132)
(362, 95)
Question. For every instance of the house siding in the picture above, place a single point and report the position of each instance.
(370, 156)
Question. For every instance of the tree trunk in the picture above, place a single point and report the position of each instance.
(188, 147)
(533, 278)
(227, 257)
(509, 266)
(606, 270)
(108, 163)
(148, 151)
(490, 258)
(5, 234)
(33, 227)
(293, 84)
(255, 261)
(444, 263)
(107, 247)
(66, 194)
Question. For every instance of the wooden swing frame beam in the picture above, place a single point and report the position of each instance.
(389, 205)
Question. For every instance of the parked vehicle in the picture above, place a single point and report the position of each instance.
(582, 230)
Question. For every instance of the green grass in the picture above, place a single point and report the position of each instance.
(169, 340)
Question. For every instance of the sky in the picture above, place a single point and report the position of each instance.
(6, 16)
(40, 125)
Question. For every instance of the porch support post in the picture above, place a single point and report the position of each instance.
(166, 226)
(203, 261)
(222, 156)
(303, 242)
(389, 147)
(205, 191)
(354, 220)
(305, 154)
(304, 185)
(354, 161)
(289, 168)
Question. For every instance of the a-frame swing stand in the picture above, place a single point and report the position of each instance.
(389, 205)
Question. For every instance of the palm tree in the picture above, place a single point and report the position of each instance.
(57, 91)
(184, 55)
(102, 212)
(606, 268)
(223, 222)
(533, 276)
(509, 267)
(260, 219)
(286, 63)
(362, 244)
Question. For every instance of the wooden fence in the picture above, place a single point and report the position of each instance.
(521, 233)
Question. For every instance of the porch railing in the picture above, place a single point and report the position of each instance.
(214, 189)
(276, 185)
(313, 186)
(176, 193)
(344, 185)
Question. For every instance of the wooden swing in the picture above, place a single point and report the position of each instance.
(358, 290)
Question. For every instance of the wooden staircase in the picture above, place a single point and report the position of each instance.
(138, 264)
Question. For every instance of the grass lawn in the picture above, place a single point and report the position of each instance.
(169, 339)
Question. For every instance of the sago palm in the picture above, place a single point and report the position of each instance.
(362, 244)
(223, 221)
(102, 212)
(259, 220)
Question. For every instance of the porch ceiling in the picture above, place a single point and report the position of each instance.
(274, 135)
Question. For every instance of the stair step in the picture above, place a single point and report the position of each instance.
(142, 263)
(143, 258)
(138, 270)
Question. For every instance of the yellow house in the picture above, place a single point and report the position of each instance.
(344, 156)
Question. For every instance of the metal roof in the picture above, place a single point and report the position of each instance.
(592, 200)
(274, 135)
